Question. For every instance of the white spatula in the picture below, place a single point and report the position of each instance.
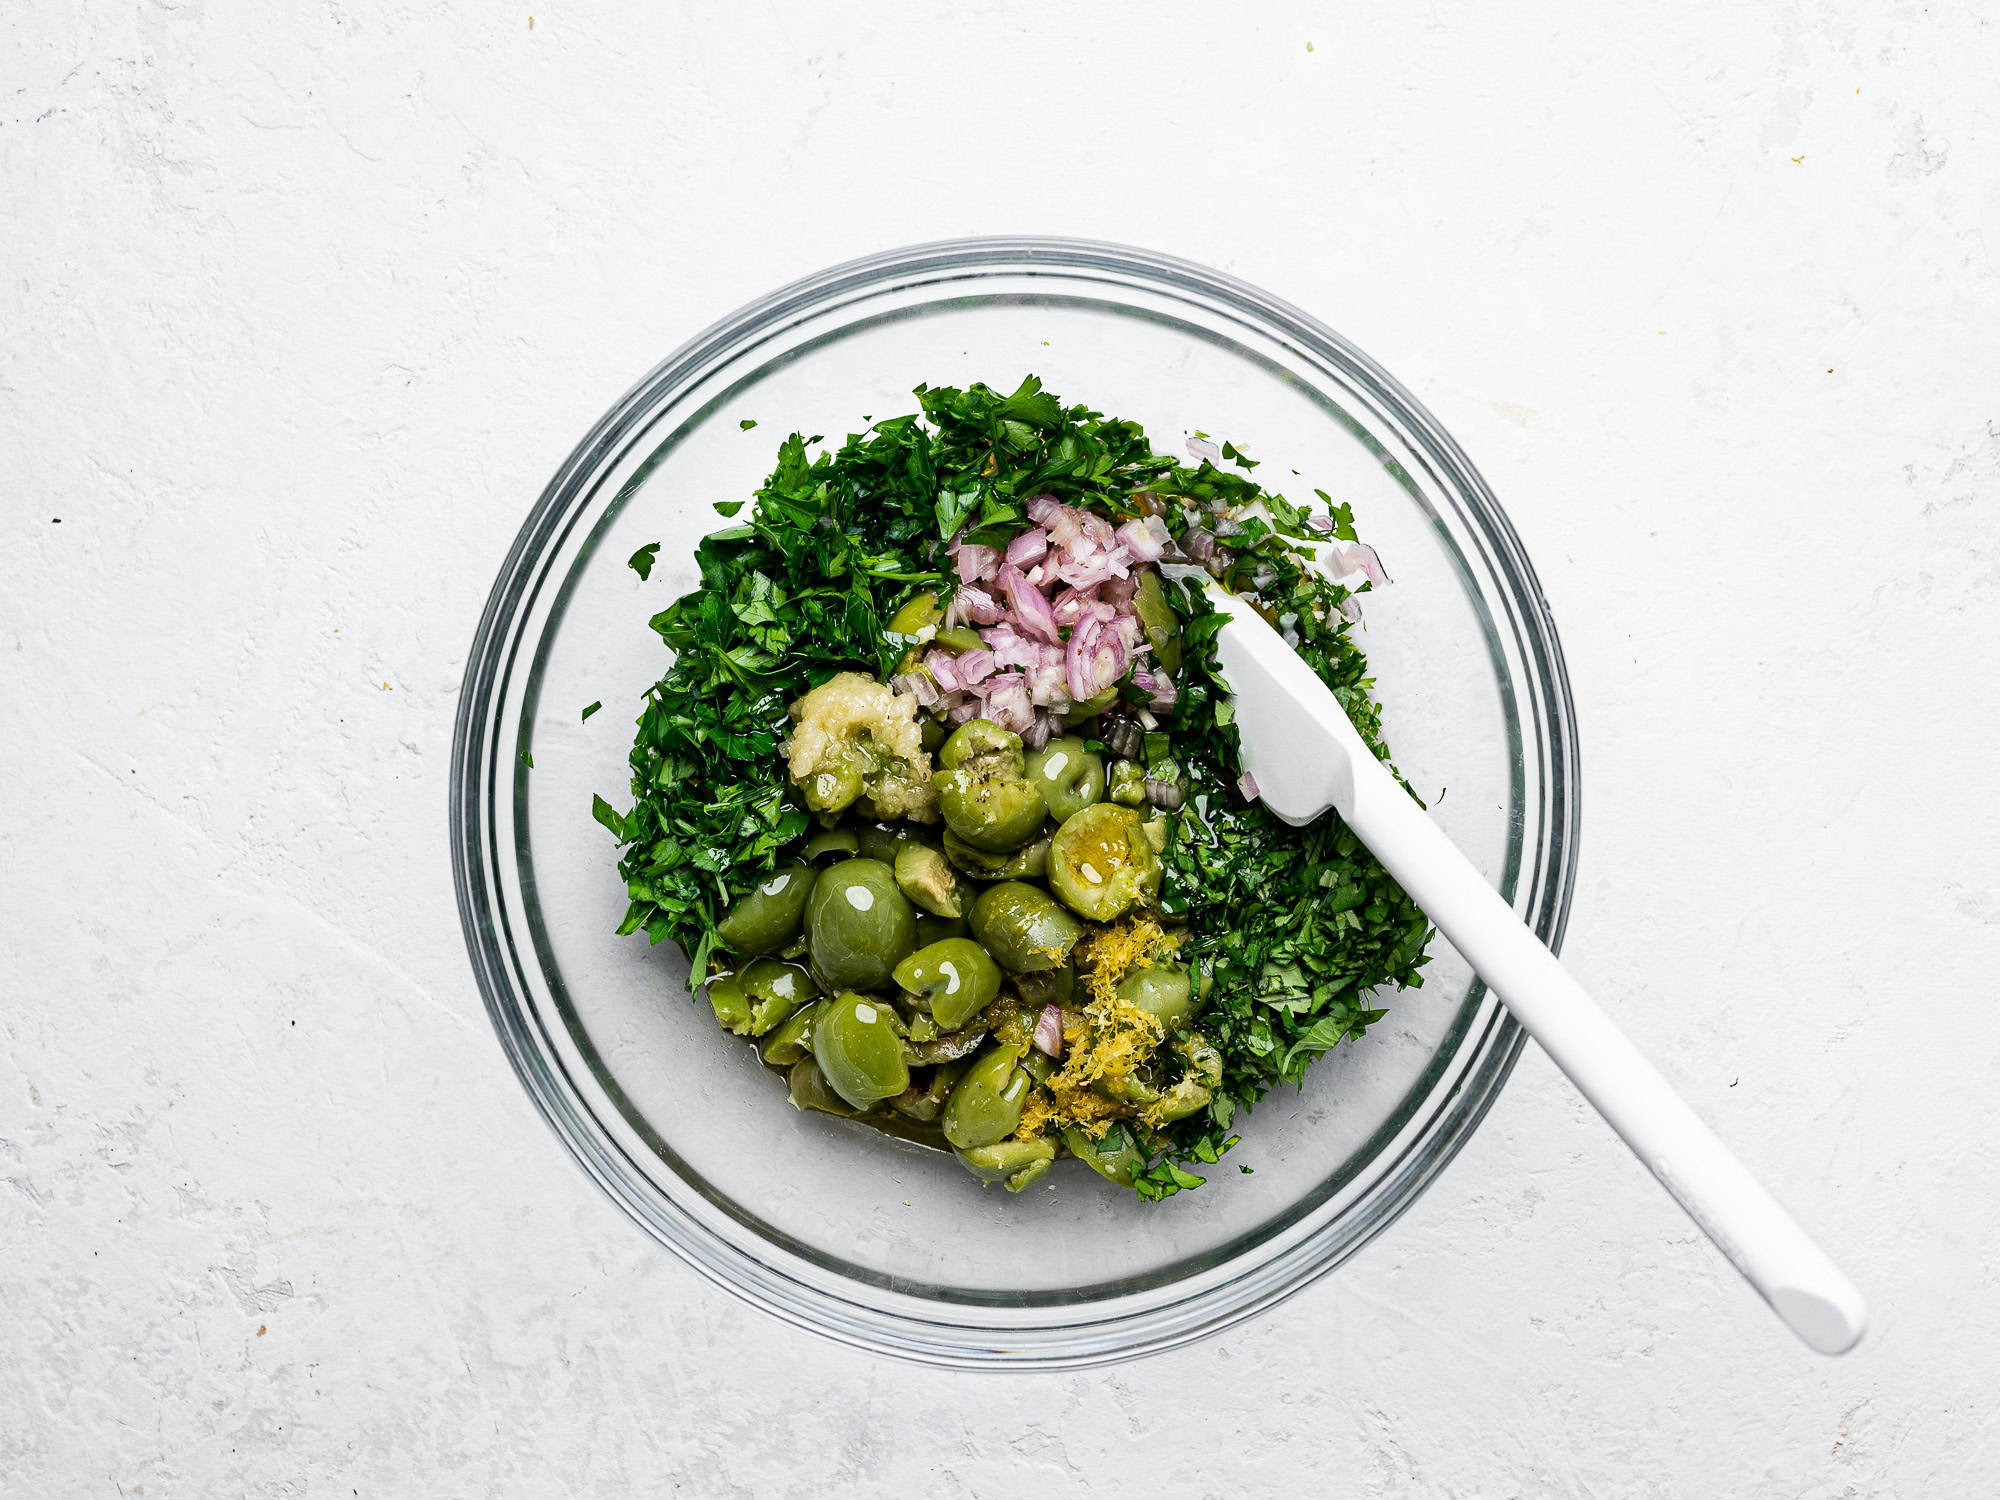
(1306, 757)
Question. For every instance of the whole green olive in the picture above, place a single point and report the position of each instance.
(1115, 1155)
(859, 926)
(1128, 783)
(1069, 777)
(924, 875)
(985, 1105)
(792, 1039)
(983, 793)
(1166, 995)
(1019, 1164)
(770, 915)
(1023, 927)
(858, 1049)
(1101, 863)
(1029, 862)
(810, 1090)
(955, 979)
(1158, 620)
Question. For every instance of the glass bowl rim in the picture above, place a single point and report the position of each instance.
(930, 1333)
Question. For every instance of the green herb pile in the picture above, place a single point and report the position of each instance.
(1291, 928)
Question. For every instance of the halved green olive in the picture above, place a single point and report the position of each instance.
(924, 875)
(1115, 1155)
(858, 1049)
(859, 925)
(1128, 783)
(1029, 862)
(792, 1039)
(809, 1090)
(1069, 777)
(1023, 927)
(1102, 864)
(956, 979)
(770, 915)
(1019, 1164)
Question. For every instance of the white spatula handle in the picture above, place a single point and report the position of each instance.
(1307, 757)
(1763, 1241)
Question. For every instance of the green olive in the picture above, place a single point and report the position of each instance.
(985, 1105)
(830, 844)
(955, 980)
(983, 793)
(1158, 620)
(859, 926)
(1164, 994)
(918, 611)
(730, 1004)
(1159, 829)
(1019, 1164)
(1048, 987)
(930, 732)
(810, 1090)
(1198, 1084)
(959, 639)
(1069, 777)
(1029, 862)
(1128, 783)
(924, 875)
(932, 929)
(792, 1039)
(925, 1100)
(858, 1049)
(836, 784)
(1116, 1155)
(883, 840)
(1039, 1066)
(1089, 708)
(775, 990)
(1101, 863)
(1023, 928)
(769, 916)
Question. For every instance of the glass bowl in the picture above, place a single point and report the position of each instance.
(869, 1240)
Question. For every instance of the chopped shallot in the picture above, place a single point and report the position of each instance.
(1048, 1031)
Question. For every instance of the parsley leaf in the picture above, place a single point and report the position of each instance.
(641, 562)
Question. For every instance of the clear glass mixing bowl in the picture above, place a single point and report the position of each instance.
(873, 1241)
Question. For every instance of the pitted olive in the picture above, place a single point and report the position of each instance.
(955, 980)
(1029, 862)
(1069, 777)
(983, 793)
(858, 1047)
(1102, 864)
(769, 917)
(1023, 927)
(859, 925)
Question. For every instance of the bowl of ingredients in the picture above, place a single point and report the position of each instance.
(849, 826)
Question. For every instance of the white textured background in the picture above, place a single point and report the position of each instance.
(301, 305)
